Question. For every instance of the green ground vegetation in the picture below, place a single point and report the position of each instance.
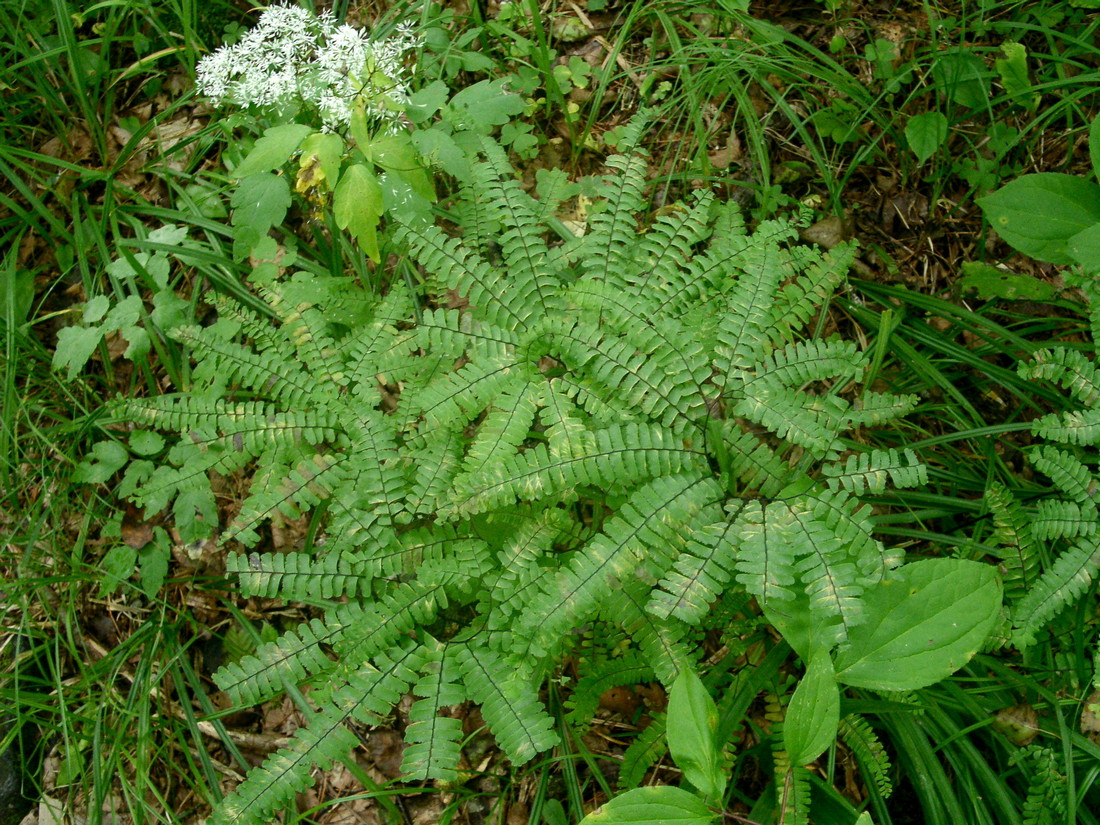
(121, 219)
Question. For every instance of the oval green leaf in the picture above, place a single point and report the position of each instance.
(652, 806)
(926, 133)
(922, 624)
(1038, 214)
(692, 720)
(813, 714)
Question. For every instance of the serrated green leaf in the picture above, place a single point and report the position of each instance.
(692, 721)
(153, 564)
(1038, 214)
(923, 622)
(662, 805)
(814, 712)
(1013, 71)
(260, 202)
(357, 206)
(145, 442)
(926, 134)
(106, 459)
(487, 104)
(75, 346)
(116, 567)
(397, 155)
(96, 308)
(273, 149)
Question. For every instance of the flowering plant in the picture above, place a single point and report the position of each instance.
(342, 105)
(295, 60)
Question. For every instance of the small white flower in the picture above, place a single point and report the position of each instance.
(293, 57)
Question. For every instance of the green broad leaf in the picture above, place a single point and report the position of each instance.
(96, 308)
(1038, 214)
(106, 459)
(145, 442)
(260, 202)
(126, 313)
(427, 101)
(814, 712)
(486, 104)
(1094, 146)
(75, 346)
(16, 295)
(169, 310)
(137, 340)
(439, 148)
(116, 567)
(806, 633)
(1084, 248)
(397, 155)
(990, 282)
(926, 133)
(1013, 71)
(273, 149)
(357, 206)
(153, 563)
(923, 622)
(661, 805)
(692, 721)
(962, 77)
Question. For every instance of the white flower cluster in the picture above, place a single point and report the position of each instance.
(296, 59)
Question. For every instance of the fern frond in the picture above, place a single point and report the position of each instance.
(1067, 472)
(286, 661)
(521, 727)
(465, 272)
(1077, 427)
(698, 577)
(754, 462)
(806, 420)
(765, 562)
(628, 669)
(647, 522)
(871, 471)
(367, 697)
(873, 409)
(632, 452)
(301, 577)
(1070, 369)
(827, 570)
(874, 764)
(665, 282)
(1057, 518)
(1063, 582)
(664, 643)
(801, 298)
(644, 752)
(743, 332)
(1014, 535)
(433, 750)
(815, 360)
(607, 250)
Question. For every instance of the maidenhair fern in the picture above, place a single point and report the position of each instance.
(618, 427)
(1050, 547)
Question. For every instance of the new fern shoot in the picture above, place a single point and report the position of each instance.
(624, 426)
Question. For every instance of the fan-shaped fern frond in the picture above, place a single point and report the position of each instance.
(1063, 582)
